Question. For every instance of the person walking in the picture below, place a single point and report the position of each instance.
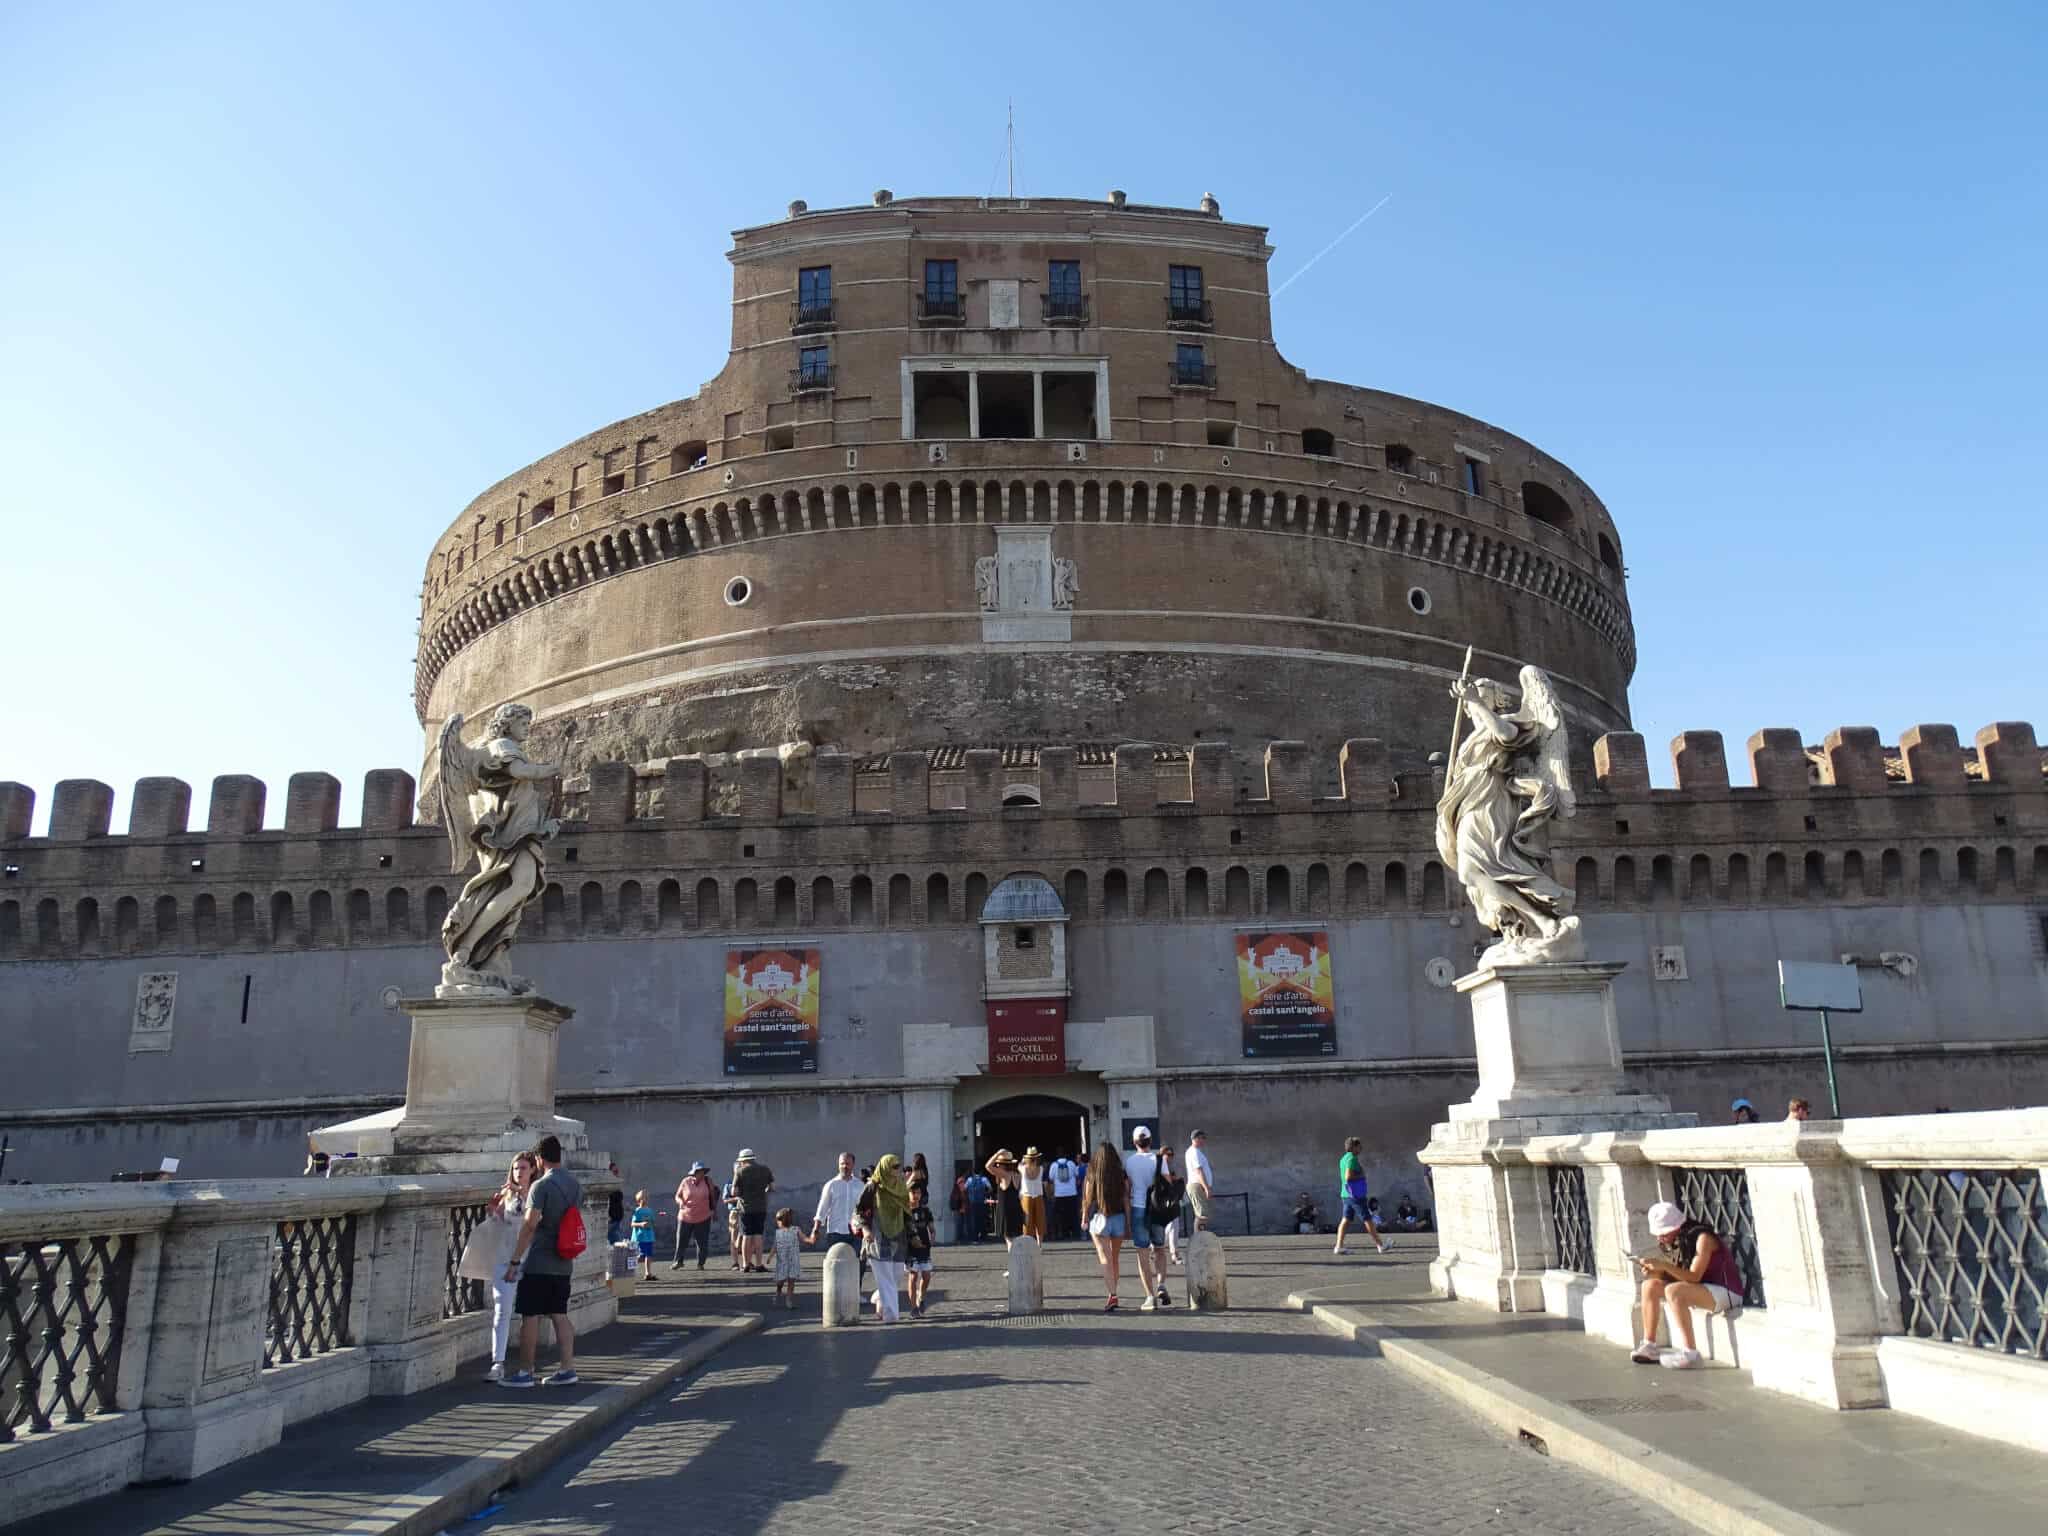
(1031, 1192)
(884, 1208)
(735, 1242)
(1066, 1197)
(920, 1173)
(1141, 1167)
(539, 1270)
(977, 1204)
(694, 1199)
(751, 1181)
(1006, 1203)
(1105, 1212)
(489, 1251)
(1201, 1180)
(789, 1262)
(1165, 1202)
(917, 1244)
(833, 1223)
(643, 1235)
(1351, 1179)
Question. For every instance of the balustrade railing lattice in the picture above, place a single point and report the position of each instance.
(1570, 1219)
(1971, 1246)
(64, 1305)
(463, 1296)
(1719, 1197)
(312, 1282)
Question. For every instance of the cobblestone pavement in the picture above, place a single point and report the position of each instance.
(1250, 1421)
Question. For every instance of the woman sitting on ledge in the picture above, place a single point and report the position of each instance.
(1704, 1278)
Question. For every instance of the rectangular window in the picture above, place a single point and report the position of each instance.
(941, 282)
(1063, 280)
(813, 367)
(1189, 364)
(1184, 294)
(499, 537)
(1475, 478)
(814, 293)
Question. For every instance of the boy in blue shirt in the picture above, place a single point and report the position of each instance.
(643, 1234)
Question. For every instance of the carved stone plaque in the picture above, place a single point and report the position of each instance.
(1028, 589)
(241, 1290)
(156, 1001)
(1667, 962)
(1003, 304)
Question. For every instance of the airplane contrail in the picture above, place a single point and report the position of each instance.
(1319, 255)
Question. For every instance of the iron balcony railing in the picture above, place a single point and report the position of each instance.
(1190, 314)
(937, 309)
(811, 381)
(1191, 375)
(811, 317)
(1063, 308)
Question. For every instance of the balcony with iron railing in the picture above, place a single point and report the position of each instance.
(941, 309)
(806, 318)
(1063, 308)
(1190, 314)
(812, 379)
(1190, 375)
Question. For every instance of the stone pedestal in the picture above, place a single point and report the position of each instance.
(479, 1087)
(1549, 1051)
(1208, 1284)
(842, 1287)
(1027, 1277)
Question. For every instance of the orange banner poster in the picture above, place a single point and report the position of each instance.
(771, 1011)
(1283, 986)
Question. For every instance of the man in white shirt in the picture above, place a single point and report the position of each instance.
(1201, 1180)
(835, 1208)
(1147, 1237)
(1066, 1197)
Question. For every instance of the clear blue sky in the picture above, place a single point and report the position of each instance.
(282, 287)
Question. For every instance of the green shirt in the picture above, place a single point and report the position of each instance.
(1350, 1168)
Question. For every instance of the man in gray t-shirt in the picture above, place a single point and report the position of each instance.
(543, 1275)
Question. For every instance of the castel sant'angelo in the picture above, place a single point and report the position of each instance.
(1014, 660)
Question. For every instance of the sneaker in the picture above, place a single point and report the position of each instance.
(1646, 1353)
(1150, 1304)
(1337, 1252)
(1681, 1360)
(678, 1265)
(496, 1372)
(1164, 1299)
(561, 1379)
(1110, 1305)
(516, 1379)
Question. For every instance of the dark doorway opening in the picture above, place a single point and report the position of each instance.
(1054, 1126)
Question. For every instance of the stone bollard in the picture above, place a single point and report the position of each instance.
(842, 1287)
(1027, 1280)
(1208, 1285)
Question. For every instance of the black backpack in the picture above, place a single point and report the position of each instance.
(1162, 1200)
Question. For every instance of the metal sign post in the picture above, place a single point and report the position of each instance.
(1805, 987)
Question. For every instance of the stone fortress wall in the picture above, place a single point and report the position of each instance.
(285, 943)
(1246, 545)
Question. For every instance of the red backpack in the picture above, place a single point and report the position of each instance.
(570, 1238)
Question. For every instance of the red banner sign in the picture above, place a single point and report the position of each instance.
(1028, 1035)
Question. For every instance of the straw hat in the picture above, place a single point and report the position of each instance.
(1005, 1155)
(1033, 1155)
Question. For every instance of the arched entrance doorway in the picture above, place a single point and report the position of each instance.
(1053, 1125)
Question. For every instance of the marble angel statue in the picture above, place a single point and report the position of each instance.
(1506, 782)
(494, 804)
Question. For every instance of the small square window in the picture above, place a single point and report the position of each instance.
(1026, 939)
(383, 861)
(747, 850)
(1812, 825)
(1237, 834)
(1621, 827)
(569, 855)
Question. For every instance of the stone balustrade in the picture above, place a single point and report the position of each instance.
(157, 1331)
(1897, 1262)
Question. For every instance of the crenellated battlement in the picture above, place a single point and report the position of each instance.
(757, 842)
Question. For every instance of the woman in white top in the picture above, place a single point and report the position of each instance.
(489, 1252)
(1031, 1192)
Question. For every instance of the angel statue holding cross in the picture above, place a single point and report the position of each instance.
(1504, 787)
(494, 804)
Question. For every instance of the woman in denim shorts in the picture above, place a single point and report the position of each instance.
(1106, 1213)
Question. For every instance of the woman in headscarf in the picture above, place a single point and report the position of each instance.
(883, 1206)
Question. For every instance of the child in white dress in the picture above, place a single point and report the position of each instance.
(789, 1266)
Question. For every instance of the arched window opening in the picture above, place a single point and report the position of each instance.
(977, 894)
(936, 891)
(1279, 892)
(1157, 904)
(1816, 874)
(2004, 870)
(1432, 887)
(668, 904)
(1609, 555)
(707, 903)
(1545, 505)
(899, 900)
(1699, 881)
(281, 918)
(629, 908)
(1586, 884)
(590, 906)
(824, 903)
(1116, 894)
(1625, 891)
(785, 902)
(1237, 892)
(88, 923)
(320, 918)
(1891, 879)
(1738, 877)
(1357, 888)
(746, 904)
(1776, 887)
(1966, 871)
(10, 927)
(127, 923)
(245, 918)
(1852, 874)
(1075, 894)
(397, 912)
(167, 919)
(1319, 890)
(1930, 871)
(1316, 441)
(1663, 882)
(358, 914)
(861, 902)
(1395, 885)
(48, 935)
(1197, 893)
(1400, 458)
(437, 909)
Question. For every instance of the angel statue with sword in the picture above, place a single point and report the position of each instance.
(495, 805)
(1504, 787)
